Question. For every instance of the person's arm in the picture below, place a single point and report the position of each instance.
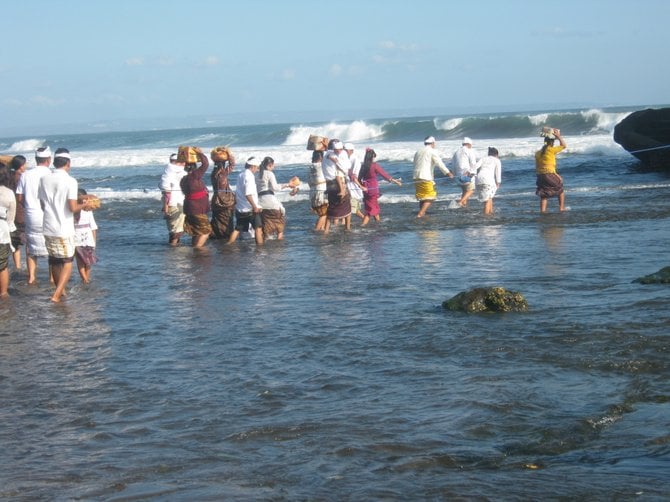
(438, 162)
(387, 176)
(560, 139)
(254, 207)
(204, 162)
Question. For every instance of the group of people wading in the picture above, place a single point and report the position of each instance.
(340, 186)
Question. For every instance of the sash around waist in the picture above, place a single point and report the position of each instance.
(196, 195)
(266, 192)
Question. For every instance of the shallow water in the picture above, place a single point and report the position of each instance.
(324, 367)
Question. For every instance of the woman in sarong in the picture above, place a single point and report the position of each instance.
(273, 213)
(549, 182)
(368, 178)
(318, 200)
(223, 198)
(196, 200)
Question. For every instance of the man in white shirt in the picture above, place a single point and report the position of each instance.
(57, 193)
(173, 199)
(26, 194)
(425, 161)
(247, 208)
(464, 164)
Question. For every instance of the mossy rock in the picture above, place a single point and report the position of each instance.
(660, 277)
(493, 299)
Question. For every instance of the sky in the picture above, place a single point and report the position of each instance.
(139, 63)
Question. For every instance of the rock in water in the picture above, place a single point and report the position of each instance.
(660, 277)
(646, 134)
(493, 299)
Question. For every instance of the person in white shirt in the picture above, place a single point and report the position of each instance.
(85, 236)
(26, 195)
(425, 161)
(7, 215)
(59, 199)
(353, 183)
(247, 207)
(173, 199)
(488, 178)
(464, 164)
(335, 167)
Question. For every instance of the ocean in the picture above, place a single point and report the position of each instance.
(323, 367)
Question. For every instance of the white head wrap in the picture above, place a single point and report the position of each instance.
(429, 140)
(43, 154)
(63, 155)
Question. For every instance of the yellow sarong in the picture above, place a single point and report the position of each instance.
(425, 190)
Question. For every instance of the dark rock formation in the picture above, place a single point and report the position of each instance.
(646, 134)
(493, 299)
(660, 277)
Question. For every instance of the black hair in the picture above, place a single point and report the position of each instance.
(367, 162)
(18, 161)
(547, 143)
(493, 151)
(60, 161)
(317, 156)
(267, 161)
(5, 176)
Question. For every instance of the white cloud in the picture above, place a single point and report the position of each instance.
(135, 61)
(211, 61)
(12, 102)
(288, 74)
(46, 101)
(335, 70)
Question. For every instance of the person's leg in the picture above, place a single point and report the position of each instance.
(465, 197)
(258, 235)
(4, 283)
(61, 274)
(31, 263)
(543, 204)
(423, 207)
(488, 207)
(81, 267)
(561, 201)
(16, 256)
(199, 241)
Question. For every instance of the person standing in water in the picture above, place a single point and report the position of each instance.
(425, 161)
(489, 178)
(368, 177)
(549, 183)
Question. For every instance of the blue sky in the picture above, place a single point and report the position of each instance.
(101, 63)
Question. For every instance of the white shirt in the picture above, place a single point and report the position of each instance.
(246, 185)
(27, 187)
(55, 190)
(489, 171)
(170, 183)
(464, 161)
(425, 161)
(84, 229)
(7, 213)
(354, 189)
(268, 182)
(331, 161)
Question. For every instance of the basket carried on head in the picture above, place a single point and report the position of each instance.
(549, 132)
(188, 154)
(318, 143)
(221, 154)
